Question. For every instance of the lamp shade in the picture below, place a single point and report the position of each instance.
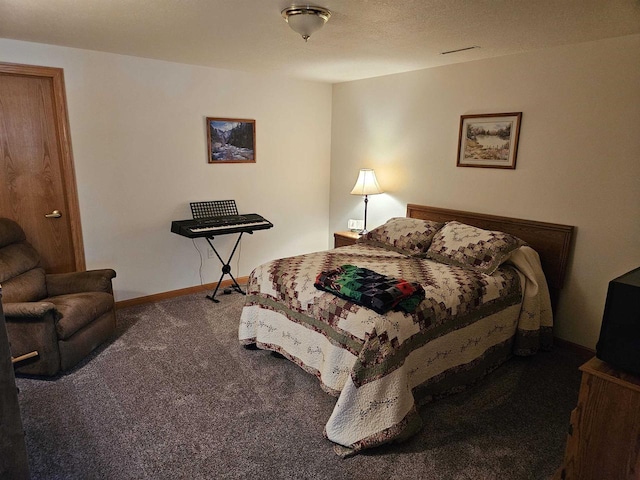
(367, 184)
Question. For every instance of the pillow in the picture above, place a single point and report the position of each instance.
(410, 236)
(472, 247)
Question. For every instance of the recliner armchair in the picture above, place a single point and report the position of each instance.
(63, 316)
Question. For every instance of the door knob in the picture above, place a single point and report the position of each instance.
(54, 214)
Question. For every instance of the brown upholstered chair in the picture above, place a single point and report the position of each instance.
(63, 316)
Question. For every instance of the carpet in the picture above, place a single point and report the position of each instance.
(173, 395)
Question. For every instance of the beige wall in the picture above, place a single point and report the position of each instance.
(578, 158)
(139, 143)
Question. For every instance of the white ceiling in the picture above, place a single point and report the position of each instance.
(363, 38)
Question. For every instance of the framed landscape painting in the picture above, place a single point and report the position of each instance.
(231, 140)
(489, 140)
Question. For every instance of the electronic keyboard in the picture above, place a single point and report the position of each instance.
(220, 225)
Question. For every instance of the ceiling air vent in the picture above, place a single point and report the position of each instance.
(459, 50)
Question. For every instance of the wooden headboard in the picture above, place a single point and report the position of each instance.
(551, 240)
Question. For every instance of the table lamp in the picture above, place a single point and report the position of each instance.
(366, 185)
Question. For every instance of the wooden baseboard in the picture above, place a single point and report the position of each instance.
(587, 353)
(177, 293)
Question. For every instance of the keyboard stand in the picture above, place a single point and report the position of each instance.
(226, 268)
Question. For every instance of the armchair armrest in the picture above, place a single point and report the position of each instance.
(31, 326)
(26, 310)
(76, 282)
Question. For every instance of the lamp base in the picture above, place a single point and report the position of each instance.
(363, 232)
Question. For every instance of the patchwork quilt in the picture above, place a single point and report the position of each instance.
(382, 366)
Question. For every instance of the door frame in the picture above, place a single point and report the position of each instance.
(67, 169)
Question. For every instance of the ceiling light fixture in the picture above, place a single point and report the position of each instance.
(306, 20)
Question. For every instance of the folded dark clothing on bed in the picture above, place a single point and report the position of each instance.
(371, 289)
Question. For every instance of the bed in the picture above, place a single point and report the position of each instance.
(486, 288)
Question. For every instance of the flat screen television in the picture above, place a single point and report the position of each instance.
(619, 343)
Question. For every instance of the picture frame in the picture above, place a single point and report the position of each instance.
(489, 140)
(231, 140)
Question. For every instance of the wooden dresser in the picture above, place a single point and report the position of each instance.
(604, 434)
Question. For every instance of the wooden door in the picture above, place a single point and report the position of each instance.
(37, 178)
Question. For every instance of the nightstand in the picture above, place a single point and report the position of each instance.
(343, 239)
